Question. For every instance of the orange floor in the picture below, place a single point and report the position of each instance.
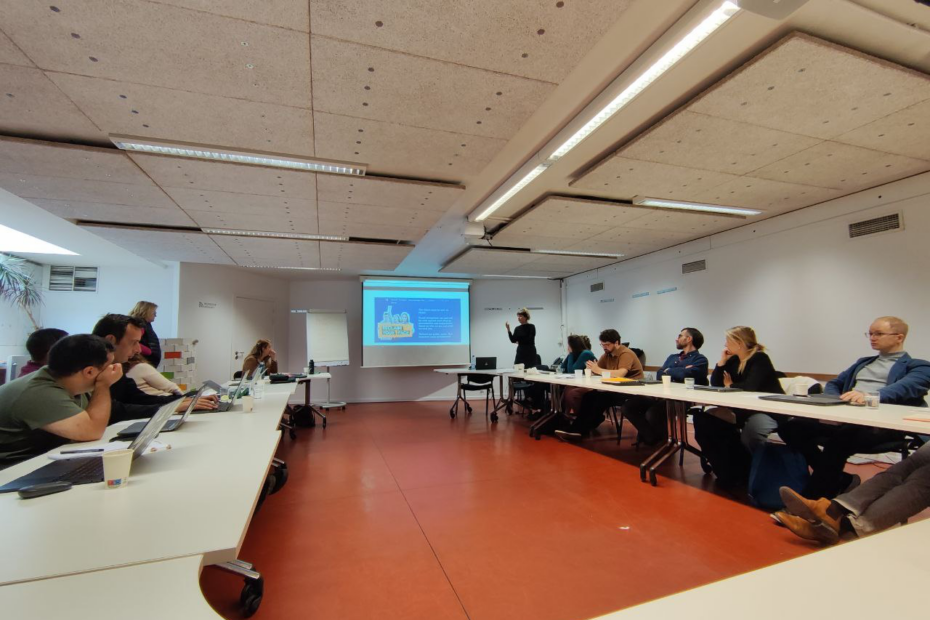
(397, 511)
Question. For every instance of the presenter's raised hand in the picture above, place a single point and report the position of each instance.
(507, 323)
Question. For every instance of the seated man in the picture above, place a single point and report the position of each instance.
(38, 344)
(648, 414)
(51, 406)
(620, 362)
(129, 402)
(898, 378)
(890, 498)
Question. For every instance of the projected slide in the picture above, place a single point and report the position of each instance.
(425, 322)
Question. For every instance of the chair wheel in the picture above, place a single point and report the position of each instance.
(706, 466)
(452, 413)
(324, 422)
(494, 417)
(251, 596)
(280, 479)
(293, 434)
(468, 408)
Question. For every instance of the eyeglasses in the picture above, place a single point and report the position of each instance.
(880, 334)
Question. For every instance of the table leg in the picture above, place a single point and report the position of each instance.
(555, 396)
(677, 443)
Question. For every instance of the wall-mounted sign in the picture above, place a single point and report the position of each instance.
(646, 294)
(667, 290)
(607, 301)
(206, 304)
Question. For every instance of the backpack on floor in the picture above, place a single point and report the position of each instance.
(775, 466)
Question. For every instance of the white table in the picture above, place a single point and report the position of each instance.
(499, 401)
(195, 499)
(166, 590)
(882, 576)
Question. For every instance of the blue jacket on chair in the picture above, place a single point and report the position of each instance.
(908, 381)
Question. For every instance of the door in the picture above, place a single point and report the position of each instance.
(254, 319)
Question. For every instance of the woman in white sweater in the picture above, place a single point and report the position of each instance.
(148, 379)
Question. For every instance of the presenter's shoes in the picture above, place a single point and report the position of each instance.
(817, 531)
(567, 436)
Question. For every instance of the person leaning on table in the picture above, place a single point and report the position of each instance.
(729, 437)
(898, 378)
(66, 400)
(261, 353)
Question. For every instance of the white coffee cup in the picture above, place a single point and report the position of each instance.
(605, 374)
(579, 374)
(248, 403)
(116, 465)
(587, 372)
(666, 381)
(518, 367)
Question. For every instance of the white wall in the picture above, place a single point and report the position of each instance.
(15, 325)
(212, 322)
(806, 288)
(489, 338)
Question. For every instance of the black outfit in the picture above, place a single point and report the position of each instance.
(131, 403)
(525, 338)
(150, 339)
(728, 446)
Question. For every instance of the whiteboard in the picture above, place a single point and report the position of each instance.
(327, 338)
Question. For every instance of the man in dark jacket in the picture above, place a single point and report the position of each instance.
(894, 375)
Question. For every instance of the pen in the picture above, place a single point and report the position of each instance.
(82, 451)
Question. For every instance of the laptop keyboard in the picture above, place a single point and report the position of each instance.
(91, 471)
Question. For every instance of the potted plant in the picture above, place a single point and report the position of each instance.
(19, 288)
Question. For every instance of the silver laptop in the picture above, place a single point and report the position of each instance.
(173, 423)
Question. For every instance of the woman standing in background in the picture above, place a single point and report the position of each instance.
(524, 336)
(146, 311)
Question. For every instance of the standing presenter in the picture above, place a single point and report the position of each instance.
(524, 336)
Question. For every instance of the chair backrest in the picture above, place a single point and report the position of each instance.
(237, 374)
(557, 361)
(14, 364)
(479, 379)
(811, 385)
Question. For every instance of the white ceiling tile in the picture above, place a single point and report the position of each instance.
(272, 207)
(121, 214)
(534, 242)
(395, 193)
(148, 42)
(36, 158)
(30, 104)
(809, 86)
(384, 232)
(283, 13)
(59, 188)
(417, 91)
(373, 215)
(11, 55)
(177, 115)
(178, 172)
(488, 261)
(903, 133)
(256, 221)
(841, 166)
(698, 141)
(352, 256)
(589, 212)
(769, 196)
(694, 224)
(538, 40)
(264, 251)
(162, 245)
(622, 178)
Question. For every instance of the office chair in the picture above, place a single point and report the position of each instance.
(520, 389)
(474, 383)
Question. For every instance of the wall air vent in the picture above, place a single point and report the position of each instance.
(597, 286)
(698, 265)
(61, 278)
(885, 223)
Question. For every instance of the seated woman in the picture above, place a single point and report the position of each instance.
(579, 354)
(148, 379)
(728, 437)
(261, 353)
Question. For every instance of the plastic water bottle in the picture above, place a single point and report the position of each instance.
(310, 365)
(258, 389)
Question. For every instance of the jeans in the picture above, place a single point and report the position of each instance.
(649, 417)
(593, 406)
(728, 446)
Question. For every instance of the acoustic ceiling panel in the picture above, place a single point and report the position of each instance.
(169, 114)
(538, 40)
(694, 224)
(115, 40)
(843, 167)
(419, 91)
(488, 261)
(566, 264)
(583, 211)
(393, 193)
(902, 133)
(769, 196)
(807, 86)
(122, 214)
(225, 177)
(362, 256)
(256, 221)
(338, 212)
(48, 159)
(263, 251)
(613, 245)
(162, 245)
(10, 54)
(30, 104)
(622, 178)
(403, 150)
(699, 141)
(242, 204)
(614, 239)
(385, 232)
(283, 13)
(59, 188)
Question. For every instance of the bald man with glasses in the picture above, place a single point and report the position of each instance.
(895, 376)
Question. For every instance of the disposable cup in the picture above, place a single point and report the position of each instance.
(579, 374)
(666, 381)
(248, 403)
(689, 383)
(116, 464)
(605, 374)
(587, 372)
(872, 399)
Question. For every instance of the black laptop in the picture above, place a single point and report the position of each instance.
(87, 470)
(173, 423)
(485, 363)
(818, 400)
(714, 388)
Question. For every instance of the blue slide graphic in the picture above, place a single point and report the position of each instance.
(401, 318)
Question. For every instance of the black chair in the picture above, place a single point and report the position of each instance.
(476, 383)
(520, 389)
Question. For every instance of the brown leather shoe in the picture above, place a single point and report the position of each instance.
(809, 509)
(816, 531)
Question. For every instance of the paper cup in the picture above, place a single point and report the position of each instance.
(518, 367)
(587, 372)
(579, 374)
(248, 403)
(605, 374)
(666, 381)
(116, 464)
(689, 383)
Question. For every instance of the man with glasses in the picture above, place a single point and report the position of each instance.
(895, 376)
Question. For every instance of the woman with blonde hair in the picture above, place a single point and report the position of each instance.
(524, 336)
(146, 311)
(261, 353)
(729, 437)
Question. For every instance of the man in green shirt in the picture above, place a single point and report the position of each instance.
(51, 406)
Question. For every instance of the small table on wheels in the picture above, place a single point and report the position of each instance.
(499, 401)
(308, 404)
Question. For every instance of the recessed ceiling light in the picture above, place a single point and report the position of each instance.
(19, 242)
(692, 206)
(216, 153)
(271, 235)
(681, 49)
(573, 253)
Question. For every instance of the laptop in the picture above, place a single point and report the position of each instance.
(485, 363)
(818, 400)
(87, 470)
(244, 384)
(714, 388)
(173, 423)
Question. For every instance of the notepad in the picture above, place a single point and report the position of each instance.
(918, 418)
(622, 381)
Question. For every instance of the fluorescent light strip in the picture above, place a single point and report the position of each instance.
(507, 276)
(271, 235)
(293, 268)
(19, 242)
(650, 75)
(217, 154)
(692, 206)
(572, 253)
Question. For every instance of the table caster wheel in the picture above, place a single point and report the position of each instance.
(293, 434)
(251, 597)
(468, 408)
(494, 417)
(324, 422)
(706, 466)
(452, 413)
(280, 479)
